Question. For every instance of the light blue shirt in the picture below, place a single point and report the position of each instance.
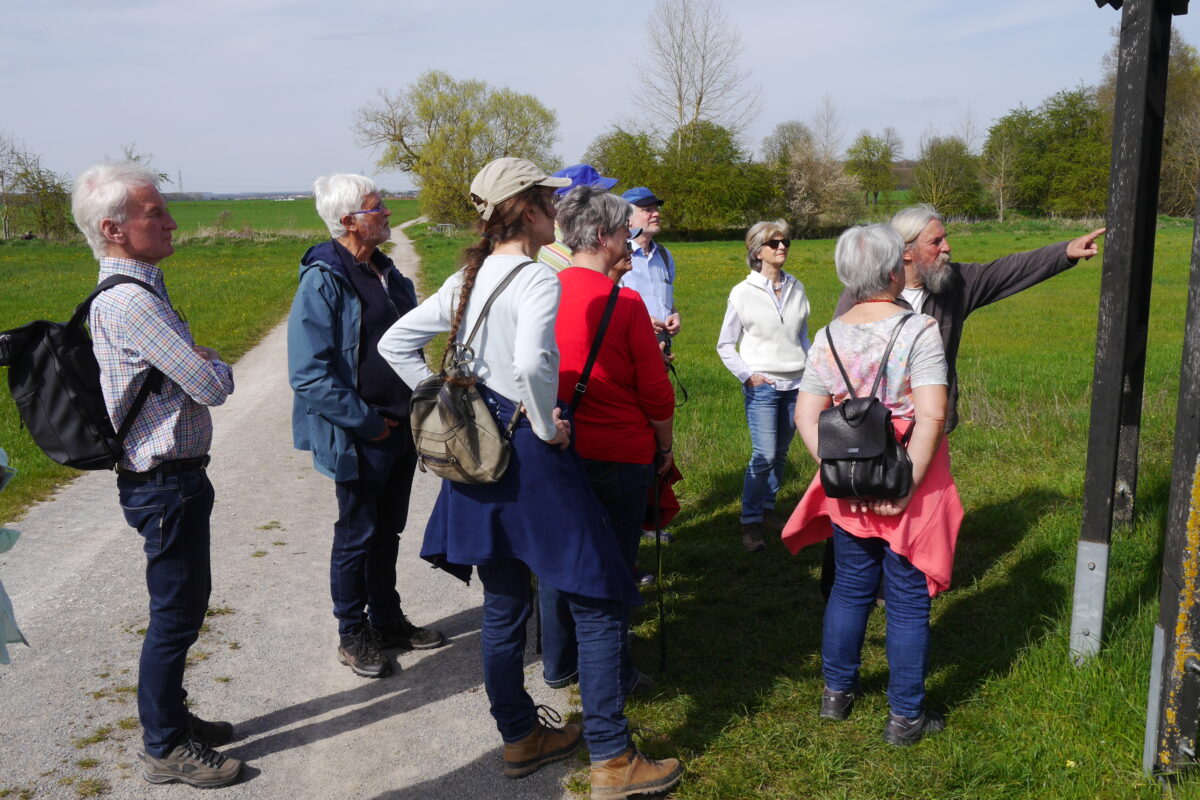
(653, 277)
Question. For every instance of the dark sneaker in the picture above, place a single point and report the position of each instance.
(544, 744)
(902, 731)
(193, 763)
(838, 705)
(407, 636)
(642, 578)
(752, 538)
(213, 734)
(643, 686)
(360, 652)
(631, 773)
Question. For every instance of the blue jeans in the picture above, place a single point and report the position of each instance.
(622, 490)
(770, 415)
(171, 512)
(601, 626)
(372, 511)
(860, 562)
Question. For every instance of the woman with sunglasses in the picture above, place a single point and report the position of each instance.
(764, 343)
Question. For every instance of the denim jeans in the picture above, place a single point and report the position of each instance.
(860, 562)
(601, 626)
(770, 415)
(622, 490)
(372, 511)
(171, 512)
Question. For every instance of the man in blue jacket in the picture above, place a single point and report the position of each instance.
(351, 410)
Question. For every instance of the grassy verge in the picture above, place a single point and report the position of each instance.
(232, 288)
(742, 683)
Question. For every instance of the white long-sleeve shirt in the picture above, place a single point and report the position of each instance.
(515, 352)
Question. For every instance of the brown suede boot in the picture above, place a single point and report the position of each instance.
(543, 745)
(752, 537)
(631, 773)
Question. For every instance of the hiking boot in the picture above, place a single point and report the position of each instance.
(407, 636)
(902, 731)
(631, 773)
(752, 538)
(544, 744)
(360, 652)
(193, 763)
(837, 705)
(642, 578)
(643, 686)
(213, 734)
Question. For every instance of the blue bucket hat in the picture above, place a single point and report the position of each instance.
(583, 175)
(641, 196)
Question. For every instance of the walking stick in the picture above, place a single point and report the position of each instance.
(537, 615)
(662, 616)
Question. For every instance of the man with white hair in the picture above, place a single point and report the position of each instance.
(949, 291)
(164, 490)
(351, 410)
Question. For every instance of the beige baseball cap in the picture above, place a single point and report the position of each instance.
(505, 177)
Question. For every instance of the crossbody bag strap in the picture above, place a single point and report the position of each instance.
(488, 305)
(581, 386)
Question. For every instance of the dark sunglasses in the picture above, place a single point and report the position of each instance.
(775, 243)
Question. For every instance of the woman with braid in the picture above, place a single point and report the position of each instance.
(541, 516)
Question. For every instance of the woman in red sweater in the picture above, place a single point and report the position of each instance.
(622, 423)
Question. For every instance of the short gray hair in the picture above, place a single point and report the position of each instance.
(102, 192)
(586, 213)
(866, 258)
(338, 195)
(758, 235)
(909, 222)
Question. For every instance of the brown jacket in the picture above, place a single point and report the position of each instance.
(975, 286)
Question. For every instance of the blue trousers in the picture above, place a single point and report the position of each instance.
(602, 629)
(770, 415)
(171, 512)
(372, 512)
(622, 490)
(861, 561)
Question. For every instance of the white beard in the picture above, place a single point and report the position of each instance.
(935, 277)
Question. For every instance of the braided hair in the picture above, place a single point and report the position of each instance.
(507, 222)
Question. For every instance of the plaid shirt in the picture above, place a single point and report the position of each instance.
(133, 331)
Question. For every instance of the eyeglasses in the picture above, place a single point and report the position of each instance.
(775, 243)
(379, 209)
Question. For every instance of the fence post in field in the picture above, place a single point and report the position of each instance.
(1111, 478)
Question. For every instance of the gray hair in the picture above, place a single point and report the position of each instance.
(867, 256)
(102, 192)
(909, 222)
(758, 235)
(586, 213)
(338, 195)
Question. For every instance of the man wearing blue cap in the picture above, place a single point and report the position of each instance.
(653, 273)
(557, 256)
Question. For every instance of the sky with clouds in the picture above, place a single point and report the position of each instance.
(260, 95)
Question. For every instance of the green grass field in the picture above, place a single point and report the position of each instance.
(741, 688)
(232, 290)
(264, 215)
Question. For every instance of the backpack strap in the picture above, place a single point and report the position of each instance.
(882, 362)
(488, 305)
(154, 378)
(581, 386)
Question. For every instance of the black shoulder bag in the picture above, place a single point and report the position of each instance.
(856, 442)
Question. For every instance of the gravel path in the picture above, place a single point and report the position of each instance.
(307, 726)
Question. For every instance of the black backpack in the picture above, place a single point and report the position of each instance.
(55, 381)
(856, 442)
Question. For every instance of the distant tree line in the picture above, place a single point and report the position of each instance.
(688, 143)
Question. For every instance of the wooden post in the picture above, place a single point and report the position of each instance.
(1111, 480)
(1174, 704)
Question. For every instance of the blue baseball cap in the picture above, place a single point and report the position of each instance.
(641, 196)
(583, 175)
